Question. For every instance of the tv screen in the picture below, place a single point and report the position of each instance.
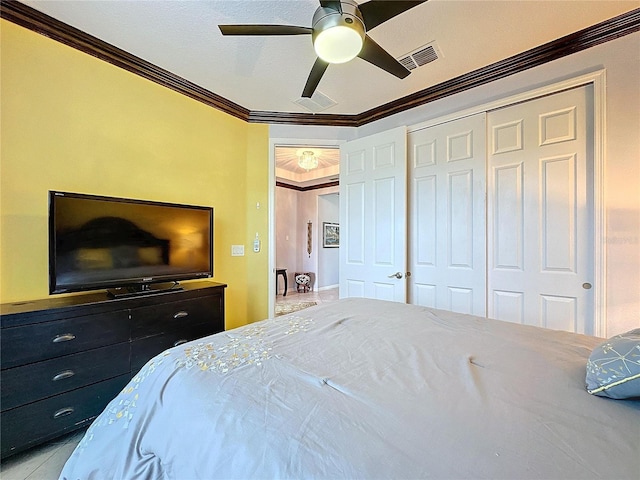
(105, 242)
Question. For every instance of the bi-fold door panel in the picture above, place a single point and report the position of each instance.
(446, 216)
(540, 250)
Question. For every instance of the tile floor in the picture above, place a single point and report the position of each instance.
(45, 462)
(322, 296)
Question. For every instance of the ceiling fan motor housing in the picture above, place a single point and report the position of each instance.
(351, 21)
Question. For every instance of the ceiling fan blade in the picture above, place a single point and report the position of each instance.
(264, 30)
(314, 77)
(375, 12)
(333, 4)
(378, 56)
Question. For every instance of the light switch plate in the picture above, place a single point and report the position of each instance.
(237, 250)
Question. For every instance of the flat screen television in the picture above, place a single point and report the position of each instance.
(128, 246)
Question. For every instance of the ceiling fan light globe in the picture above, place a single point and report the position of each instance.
(338, 44)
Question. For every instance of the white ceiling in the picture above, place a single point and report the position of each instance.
(269, 73)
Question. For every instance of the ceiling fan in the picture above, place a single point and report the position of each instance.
(339, 34)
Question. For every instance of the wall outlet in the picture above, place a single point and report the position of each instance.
(237, 250)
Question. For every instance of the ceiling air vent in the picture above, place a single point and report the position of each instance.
(317, 103)
(423, 55)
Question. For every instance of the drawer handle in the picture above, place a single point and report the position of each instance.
(65, 337)
(181, 314)
(180, 342)
(63, 412)
(63, 375)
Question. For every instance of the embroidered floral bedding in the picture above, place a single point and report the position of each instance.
(365, 389)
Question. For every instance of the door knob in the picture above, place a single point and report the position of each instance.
(397, 275)
(586, 286)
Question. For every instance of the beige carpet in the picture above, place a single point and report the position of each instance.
(284, 308)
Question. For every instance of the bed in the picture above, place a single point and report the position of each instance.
(366, 389)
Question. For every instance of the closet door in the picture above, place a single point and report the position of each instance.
(540, 250)
(373, 206)
(447, 216)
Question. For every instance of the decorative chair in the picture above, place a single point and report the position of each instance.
(303, 281)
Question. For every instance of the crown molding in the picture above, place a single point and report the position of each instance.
(307, 188)
(589, 37)
(321, 119)
(603, 32)
(38, 22)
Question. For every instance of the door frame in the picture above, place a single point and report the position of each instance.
(597, 80)
(273, 143)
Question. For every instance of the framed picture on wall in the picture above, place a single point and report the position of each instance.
(330, 235)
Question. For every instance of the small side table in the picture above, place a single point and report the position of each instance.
(283, 272)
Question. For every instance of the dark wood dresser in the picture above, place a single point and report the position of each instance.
(63, 359)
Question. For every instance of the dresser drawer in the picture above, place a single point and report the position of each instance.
(36, 342)
(145, 349)
(176, 316)
(40, 421)
(29, 383)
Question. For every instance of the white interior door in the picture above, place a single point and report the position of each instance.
(447, 216)
(540, 250)
(373, 208)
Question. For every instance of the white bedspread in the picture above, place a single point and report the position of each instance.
(365, 389)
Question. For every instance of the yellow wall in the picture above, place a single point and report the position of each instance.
(74, 123)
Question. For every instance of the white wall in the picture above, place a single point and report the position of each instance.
(289, 235)
(309, 134)
(308, 210)
(328, 258)
(621, 60)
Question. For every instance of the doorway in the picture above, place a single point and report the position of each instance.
(306, 183)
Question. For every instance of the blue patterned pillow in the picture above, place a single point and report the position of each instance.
(613, 369)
